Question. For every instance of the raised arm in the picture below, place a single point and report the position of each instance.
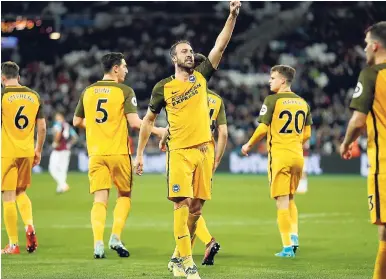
(225, 35)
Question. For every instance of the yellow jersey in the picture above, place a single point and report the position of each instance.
(216, 110)
(370, 98)
(20, 107)
(186, 106)
(104, 105)
(285, 114)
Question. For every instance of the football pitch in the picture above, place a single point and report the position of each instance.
(336, 239)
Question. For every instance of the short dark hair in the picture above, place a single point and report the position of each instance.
(198, 59)
(287, 71)
(10, 69)
(173, 47)
(111, 59)
(378, 32)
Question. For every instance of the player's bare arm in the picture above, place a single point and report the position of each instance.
(144, 134)
(162, 142)
(79, 122)
(354, 129)
(135, 122)
(225, 35)
(257, 136)
(221, 144)
(42, 131)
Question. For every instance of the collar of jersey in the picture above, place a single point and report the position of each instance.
(174, 78)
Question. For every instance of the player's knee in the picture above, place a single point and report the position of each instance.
(19, 191)
(382, 232)
(101, 196)
(282, 202)
(9, 196)
(124, 194)
(180, 201)
(196, 207)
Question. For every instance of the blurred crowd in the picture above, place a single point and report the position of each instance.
(323, 41)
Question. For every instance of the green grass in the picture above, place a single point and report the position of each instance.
(336, 238)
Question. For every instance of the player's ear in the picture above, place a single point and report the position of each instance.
(375, 46)
(174, 59)
(115, 69)
(18, 78)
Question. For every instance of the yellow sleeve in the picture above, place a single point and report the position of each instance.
(260, 132)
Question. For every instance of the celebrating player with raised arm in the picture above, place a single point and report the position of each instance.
(104, 109)
(21, 111)
(369, 105)
(184, 97)
(217, 121)
(286, 118)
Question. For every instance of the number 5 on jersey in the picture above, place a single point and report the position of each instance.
(104, 113)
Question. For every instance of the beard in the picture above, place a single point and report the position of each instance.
(185, 65)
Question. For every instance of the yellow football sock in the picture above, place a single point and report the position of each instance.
(380, 263)
(294, 217)
(121, 211)
(10, 221)
(181, 231)
(284, 221)
(25, 208)
(98, 220)
(202, 231)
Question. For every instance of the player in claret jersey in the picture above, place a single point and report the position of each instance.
(286, 120)
(184, 97)
(64, 136)
(369, 105)
(21, 110)
(104, 109)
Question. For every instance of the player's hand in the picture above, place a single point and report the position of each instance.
(234, 7)
(37, 158)
(345, 151)
(162, 146)
(245, 149)
(138, 165)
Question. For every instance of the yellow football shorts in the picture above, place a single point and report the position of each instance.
(377, 198)
(189, 172)
(284, 174)
(16, 173)
(105, 170)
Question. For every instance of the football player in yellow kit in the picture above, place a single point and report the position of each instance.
(286, 120)
(189, 164)
(369, 105)
(104, 109)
